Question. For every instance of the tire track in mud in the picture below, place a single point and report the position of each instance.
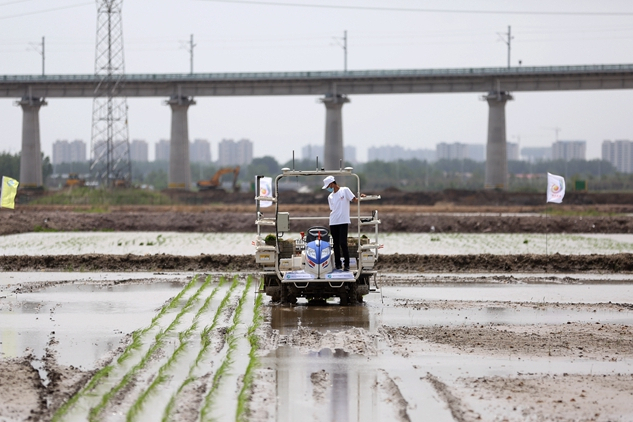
(165, 374)
(392, 391)
(455, 405)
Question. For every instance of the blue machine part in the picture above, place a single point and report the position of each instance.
(318, 254)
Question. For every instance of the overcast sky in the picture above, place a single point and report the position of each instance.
(295, 35)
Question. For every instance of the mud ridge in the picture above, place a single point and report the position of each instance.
(411, 220)
(401, 263)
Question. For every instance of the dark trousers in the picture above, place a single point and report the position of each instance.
(339, 237)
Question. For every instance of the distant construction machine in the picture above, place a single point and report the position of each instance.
(74, 180)
(215, 181)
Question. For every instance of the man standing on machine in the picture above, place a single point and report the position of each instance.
(339, 200)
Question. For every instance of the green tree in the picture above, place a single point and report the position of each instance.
(10, 165)
(157, 178)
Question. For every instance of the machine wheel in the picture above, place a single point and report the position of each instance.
(353, 294)
(276, 295)
(272, 287)
(287, 296)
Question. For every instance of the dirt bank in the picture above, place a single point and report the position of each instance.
(400, 263)
(241, 218)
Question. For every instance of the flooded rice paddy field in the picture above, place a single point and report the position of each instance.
(189, 346)
(190, 244)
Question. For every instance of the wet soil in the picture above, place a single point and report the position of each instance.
(399, 263)
(521, 395)
(241, 218)
(386, 354)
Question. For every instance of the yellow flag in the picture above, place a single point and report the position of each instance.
(8, 192)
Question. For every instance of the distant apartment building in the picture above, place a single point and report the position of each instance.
(536, 154)
(512, 151)
(200, 151)
(390, 153)
(69, 152)
(231, 153)
(459, 151)
(620, 154)
(138, 151)
(477, 152)
(569, 150)
(311, 152)
(162, 150)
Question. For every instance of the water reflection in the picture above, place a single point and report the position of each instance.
(87, 320)
(322, 318)
(343, 391)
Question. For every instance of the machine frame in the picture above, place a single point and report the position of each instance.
(285, 279)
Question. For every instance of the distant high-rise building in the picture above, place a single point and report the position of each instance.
(512, 151)
(536, 154)
(69, 152)
(477, 152)
(454, 151)
(162, 150)
(569, 150)
(244, 152)
(138, 151)
(459, 151)
(311, 152)
(620, 154)
(391, 153)
(60, 152)
(200, 151)
(231, 153)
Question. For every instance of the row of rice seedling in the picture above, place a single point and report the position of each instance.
(184, 338)
(232, 339)
(135, 345)
(205, 345)
(158, 343)
(253, 361)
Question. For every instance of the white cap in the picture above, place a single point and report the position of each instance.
(327, 181)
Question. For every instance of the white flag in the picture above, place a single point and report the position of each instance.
(555, 188)
(265, 189)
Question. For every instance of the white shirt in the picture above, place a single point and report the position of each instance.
(339, 204)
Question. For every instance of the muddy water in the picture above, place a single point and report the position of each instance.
(85, 321)
(327, 376)
(410, 353)
(188, 244)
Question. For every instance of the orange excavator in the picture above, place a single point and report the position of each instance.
(73, 180)
(214, 182)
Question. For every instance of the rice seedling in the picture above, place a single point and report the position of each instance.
(183, 338)
(134, 345)
(227, 362)
(158, 343)
(205, 345)
(253, 362)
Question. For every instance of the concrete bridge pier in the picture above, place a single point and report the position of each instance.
(333, 149)
(179, 167)
(31, 155)
(496, 156)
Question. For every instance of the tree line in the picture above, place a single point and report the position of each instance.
(407, 175)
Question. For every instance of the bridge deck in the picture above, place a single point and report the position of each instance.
(543, 78)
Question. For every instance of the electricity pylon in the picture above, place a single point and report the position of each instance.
(109, 143)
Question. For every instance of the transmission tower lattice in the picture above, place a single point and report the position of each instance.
(110, 144)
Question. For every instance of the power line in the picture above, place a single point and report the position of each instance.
(37, 12)
(13, 2)
(410, 9)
